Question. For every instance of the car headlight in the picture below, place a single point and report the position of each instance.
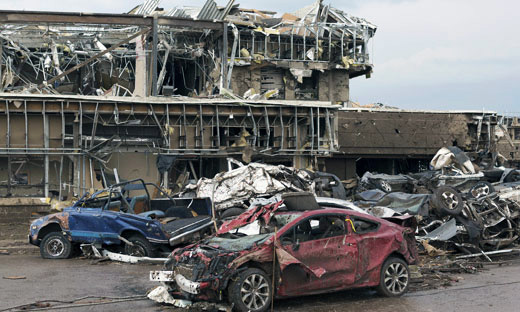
(34, 227)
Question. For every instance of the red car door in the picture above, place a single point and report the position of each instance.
(327, 253)
(372, 248)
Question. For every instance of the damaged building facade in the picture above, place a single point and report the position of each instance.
(180, 90)
(393, 141)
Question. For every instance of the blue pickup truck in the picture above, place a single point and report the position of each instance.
(124, 218)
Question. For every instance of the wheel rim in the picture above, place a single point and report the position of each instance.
(396, 278)
(480, 191)
(55, 247)
(450, 200)
(137, 251)
(255, 292)
(386, 187)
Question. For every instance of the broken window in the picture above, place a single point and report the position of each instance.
(272, 79)
(308, 88)
(362, 226)
(314, 228)
(517, 134)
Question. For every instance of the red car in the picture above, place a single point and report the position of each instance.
(317, 251)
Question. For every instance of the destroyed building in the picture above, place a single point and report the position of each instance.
(393, 141)
(83, 93)
(182, 89)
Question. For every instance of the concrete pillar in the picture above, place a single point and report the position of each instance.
(140, 67)
(302, 162)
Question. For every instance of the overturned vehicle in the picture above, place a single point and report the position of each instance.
(290, 250)
(124, 218)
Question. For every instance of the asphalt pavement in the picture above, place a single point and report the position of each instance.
(124, 285)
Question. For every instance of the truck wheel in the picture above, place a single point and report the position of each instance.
(55, 246)
(251, 291)
(447, 201)
(395, 278)
(141, 248)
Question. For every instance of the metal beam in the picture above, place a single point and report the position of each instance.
(1, 62)
(8, 143)
(46, 145)
(63, 147)
(13, 17)
(155, 42)
(90, 60)
(189, 23)
(223, 53)
(24, 17)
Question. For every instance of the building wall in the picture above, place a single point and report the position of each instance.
(332, 86)
(402, 133)
(404, 141)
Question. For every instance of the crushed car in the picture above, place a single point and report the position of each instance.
(124, 218)
(300, 248)
(460, 206)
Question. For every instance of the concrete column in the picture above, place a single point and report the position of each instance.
(140, 67)
(302, 162)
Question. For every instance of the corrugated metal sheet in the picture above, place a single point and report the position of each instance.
(211, 12)
(177, 12)
(147, 7)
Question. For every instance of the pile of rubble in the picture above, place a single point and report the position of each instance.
(459, 205)
(235, 188)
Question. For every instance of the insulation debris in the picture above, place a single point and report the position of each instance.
(236, 187)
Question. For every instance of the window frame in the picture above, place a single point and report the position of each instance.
(355, 231)
(292, 230)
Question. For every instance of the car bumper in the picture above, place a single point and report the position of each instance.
(186, 285)
(182, 282)
(33, 241)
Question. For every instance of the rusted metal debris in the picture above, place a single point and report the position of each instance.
(459, 206)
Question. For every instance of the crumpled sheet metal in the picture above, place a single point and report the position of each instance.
(401, 203)
(285, 259)
(235, 187)
(160, 294)
(415, 204)
(383, 176)
(90, 251)
(250, 216)
(453, 155)
(443, 232)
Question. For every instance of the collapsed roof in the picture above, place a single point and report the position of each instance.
(135, 54)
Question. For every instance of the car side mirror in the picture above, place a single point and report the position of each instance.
(296, 245)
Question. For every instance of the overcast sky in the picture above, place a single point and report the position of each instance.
(428, 54)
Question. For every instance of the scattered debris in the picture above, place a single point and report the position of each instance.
(237, 187)
(91, 251)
